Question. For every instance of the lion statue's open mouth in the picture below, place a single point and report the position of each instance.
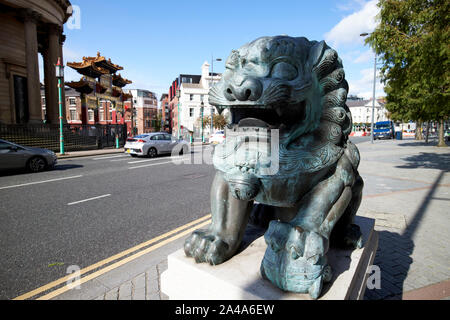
(286, 149)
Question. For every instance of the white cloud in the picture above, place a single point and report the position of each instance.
(348, 30)
(350, 5)
(364, 57)
(71, 56)
(363, 87)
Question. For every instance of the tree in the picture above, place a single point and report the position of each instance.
(219, 121)
(412, 41)
(157, 122)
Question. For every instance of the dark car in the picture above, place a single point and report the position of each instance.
(15, 156)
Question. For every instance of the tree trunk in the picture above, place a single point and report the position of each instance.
(441, 142)
(427, 132)
(419, 135)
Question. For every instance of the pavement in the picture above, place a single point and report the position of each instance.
(406, 191)
(96, 152)
(105, 151)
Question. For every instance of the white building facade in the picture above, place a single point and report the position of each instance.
(362, 112)
(194, 97)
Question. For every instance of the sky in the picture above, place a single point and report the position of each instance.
(155, 41)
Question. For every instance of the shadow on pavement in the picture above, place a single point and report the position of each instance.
(440, 161)
(62, 167)
(58, 167)
(432, 142)
(394, 253)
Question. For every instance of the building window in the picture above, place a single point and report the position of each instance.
(73, 114)
(91, 115)
(147, 123)
(43, 101)
(191, 97)
(110, 115)
(201, 97)
(72, 102)
(101, 114)
(213, 111)
(191, 112)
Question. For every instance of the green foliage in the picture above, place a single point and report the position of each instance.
(219, 121)
(412, 42)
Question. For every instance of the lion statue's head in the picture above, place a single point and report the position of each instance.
(291, 84)
(283, 81)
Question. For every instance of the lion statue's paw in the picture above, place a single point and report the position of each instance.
(295, 259)
(204, 246)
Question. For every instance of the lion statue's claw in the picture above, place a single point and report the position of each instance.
(204, 246)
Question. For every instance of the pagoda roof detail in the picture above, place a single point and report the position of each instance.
(99, 88)
(116, 91)
(95, 66)
(126, 96)
(81, 86)
(119, 81)
(105, 63)
(87, 68)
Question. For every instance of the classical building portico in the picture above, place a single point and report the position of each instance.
(26, 29)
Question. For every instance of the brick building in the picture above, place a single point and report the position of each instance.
(145, 107)
(166, 120)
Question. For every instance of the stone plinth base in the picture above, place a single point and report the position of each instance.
(239, 278)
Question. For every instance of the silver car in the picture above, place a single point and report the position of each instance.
(155, 143)
(14, 156)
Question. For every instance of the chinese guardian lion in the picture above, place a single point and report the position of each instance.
(286, 159)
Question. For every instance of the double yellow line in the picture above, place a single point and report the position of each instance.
(117, 264)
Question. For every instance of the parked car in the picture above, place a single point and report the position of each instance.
(447, 135)
(14, 156)
(153, 144)
(217, 137)
(384, 130)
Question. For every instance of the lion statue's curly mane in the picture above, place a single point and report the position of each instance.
(286, 161)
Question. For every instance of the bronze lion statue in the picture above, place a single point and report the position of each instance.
(286, 159)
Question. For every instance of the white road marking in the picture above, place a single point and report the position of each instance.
(38, 182)
(110, 157)
(128, 158)
(148, 165)
(105, 195)
(154, 159)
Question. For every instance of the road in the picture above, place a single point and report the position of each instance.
(91, 208)
(88, 209)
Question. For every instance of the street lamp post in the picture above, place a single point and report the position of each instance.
(59, 71)
(212, 82)
(178, 121)
(374, 83)
(201, 113)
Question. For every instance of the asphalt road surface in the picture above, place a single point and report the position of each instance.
(88, 209)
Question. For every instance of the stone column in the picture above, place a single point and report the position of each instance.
(50, 55)
(30, 19)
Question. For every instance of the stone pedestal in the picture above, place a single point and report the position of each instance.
(239, 278)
